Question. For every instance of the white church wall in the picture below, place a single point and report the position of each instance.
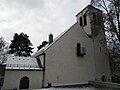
(13, 77)
(62, 64)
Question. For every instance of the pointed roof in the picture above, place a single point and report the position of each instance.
(88, 6)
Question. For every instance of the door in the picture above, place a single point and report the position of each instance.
(24, 83)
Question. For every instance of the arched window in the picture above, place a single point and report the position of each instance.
(81, 51)
(81, 22)
(85, 20)
(24, 83)
(94, 15)
(78, 49)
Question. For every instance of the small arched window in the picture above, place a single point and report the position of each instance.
(85, 20)
(94, 15)
(81, 51)
(81, 22)
(78, 49)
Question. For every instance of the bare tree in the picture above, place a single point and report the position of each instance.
(3, 50)
(111, 14)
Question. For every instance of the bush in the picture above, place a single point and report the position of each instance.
(116, 78)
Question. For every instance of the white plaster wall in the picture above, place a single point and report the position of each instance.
(101, 57)
(64, 67)
(62, 64)
(12, 79)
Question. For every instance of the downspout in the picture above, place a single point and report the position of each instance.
(43, 81)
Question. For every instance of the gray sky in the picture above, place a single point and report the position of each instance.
(37, 18)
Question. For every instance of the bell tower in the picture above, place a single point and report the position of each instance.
(91, 20)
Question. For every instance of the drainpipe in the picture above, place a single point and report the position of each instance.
(43, 81)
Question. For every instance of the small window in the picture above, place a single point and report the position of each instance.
(85, 20)
(78, 49)
(94, 15)
(81, 23)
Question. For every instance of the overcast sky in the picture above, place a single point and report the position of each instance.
(37, 18)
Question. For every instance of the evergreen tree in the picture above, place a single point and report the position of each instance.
(20, 45)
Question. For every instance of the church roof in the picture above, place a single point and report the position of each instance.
(23, 63)
(42, 50)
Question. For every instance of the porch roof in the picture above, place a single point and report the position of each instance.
(24, 63)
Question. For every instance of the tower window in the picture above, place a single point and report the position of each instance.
(94, 15)
(85, 20)
(81, 23)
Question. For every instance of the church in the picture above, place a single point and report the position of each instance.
(74, 57)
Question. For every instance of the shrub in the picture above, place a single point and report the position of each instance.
(116, 78)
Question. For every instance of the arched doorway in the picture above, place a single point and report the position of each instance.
(24, 83)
